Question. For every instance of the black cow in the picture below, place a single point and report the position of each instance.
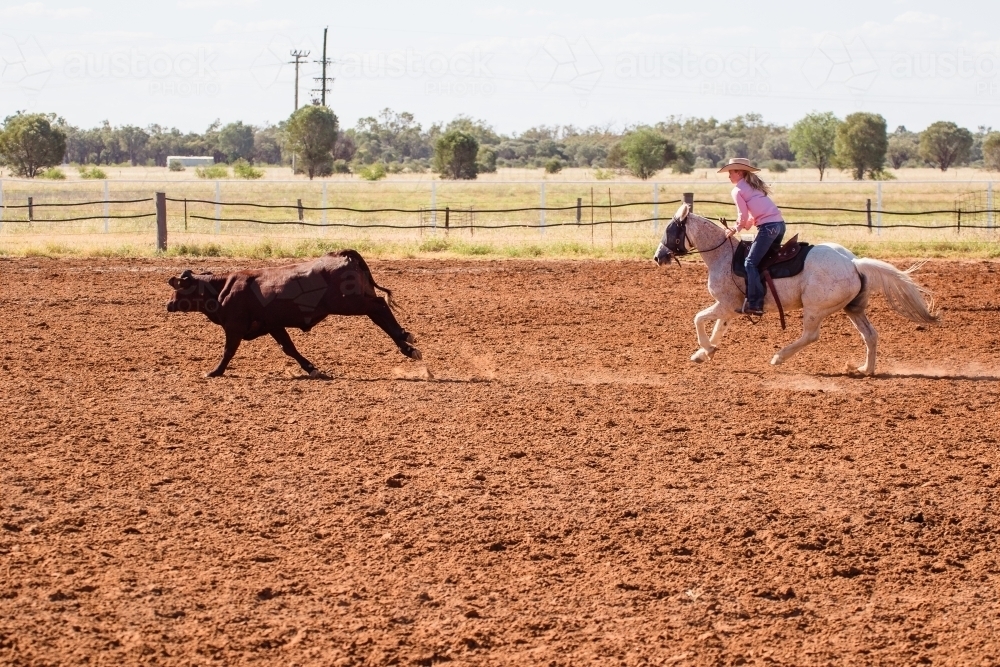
(250, 304)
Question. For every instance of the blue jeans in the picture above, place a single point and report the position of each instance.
(767, 235)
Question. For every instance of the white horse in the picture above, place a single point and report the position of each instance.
(832, 279)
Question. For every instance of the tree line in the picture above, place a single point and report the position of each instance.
(394, 142)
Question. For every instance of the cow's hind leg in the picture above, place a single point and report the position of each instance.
(380, 314)
(288, 347)
(232, 344)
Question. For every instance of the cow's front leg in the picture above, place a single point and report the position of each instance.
(232, 344)
(285, 341)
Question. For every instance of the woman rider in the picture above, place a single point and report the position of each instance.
(754, 209)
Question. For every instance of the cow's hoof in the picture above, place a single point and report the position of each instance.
(317, 374)
(410, 338)
(414, 353)
(214, 374)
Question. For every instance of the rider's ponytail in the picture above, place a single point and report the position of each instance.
(755, 182)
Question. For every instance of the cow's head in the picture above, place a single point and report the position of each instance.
(193, 294)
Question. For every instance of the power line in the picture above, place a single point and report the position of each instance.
(323, 88)
(298, 55)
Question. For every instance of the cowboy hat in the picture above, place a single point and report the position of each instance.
(738, 164)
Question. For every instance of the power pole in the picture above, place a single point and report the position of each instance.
(298, 55)
(323, 87)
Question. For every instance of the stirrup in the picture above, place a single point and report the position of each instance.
(745, 309)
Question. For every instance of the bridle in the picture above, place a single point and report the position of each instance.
(678, 240)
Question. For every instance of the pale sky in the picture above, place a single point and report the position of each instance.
(514, 64)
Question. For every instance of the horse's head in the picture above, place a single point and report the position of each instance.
(674, 242)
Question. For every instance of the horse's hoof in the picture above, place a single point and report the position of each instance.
(317, 374)
(862, 370)
(700, 356)
(414, 353)
(776, 360)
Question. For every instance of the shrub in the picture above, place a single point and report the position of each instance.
(53, 174)
(312, 132)
(813, 139)
(372, 172)
(991, 151)
(486, 160)
(455, 155)
(95, 173)
(212, 171)
(29, 144)
(684, 164)
(861, 144)
(776, 166)
(645, 152)
(341, 167)
(243, 169)
(175, 165)
(944, 144)
(603, 174)
(553, 166)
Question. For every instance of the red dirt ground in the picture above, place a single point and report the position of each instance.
(566, 488)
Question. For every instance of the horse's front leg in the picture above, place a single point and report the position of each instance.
(707, 348)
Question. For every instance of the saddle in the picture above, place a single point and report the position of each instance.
(779, 262)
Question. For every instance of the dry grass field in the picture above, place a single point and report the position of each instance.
(194, 230)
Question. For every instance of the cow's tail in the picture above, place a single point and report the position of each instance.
(904, 295)
(356, 256)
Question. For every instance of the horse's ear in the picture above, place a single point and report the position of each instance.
(682, 212)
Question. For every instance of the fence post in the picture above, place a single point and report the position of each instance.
(656, 207)
(579, 208)
(31, 209)
(1, 204)
(878, 206)
(868, 208)
(434, 211)
(106, 219)
(218, 208)
(958, 220)
(185, 214)
(302, 213)
(989, 204)
(161, 221)
(541, 210)
(689, 200)
(324, 207)
(447, 218)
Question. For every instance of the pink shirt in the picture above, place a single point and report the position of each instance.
(755, 207)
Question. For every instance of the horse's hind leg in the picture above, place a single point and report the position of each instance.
(810, 334)
(707, 347)
(867, 331)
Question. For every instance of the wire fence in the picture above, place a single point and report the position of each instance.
(296, 209)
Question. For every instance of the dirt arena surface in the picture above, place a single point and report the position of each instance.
(555, 484)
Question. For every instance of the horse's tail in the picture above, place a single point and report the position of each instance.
(904, 295)
(363, 265)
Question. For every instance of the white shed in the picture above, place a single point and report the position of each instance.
(191, 160)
